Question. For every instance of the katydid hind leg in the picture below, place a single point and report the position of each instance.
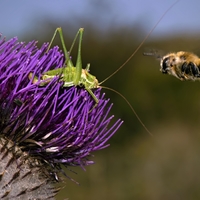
(68, 61)
(79, 59)
(66, 53)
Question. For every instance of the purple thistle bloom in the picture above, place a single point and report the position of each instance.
(55, 124)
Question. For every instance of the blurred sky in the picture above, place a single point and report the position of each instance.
(19, 16)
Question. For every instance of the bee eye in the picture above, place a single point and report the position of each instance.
(164, 64)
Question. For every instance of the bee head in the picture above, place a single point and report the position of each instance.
(166, 63)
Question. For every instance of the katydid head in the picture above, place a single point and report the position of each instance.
(88, 80)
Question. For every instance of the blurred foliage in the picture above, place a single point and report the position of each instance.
(136, 165)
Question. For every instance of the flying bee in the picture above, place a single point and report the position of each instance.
(183, 65)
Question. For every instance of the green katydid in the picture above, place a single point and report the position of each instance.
(70, 75)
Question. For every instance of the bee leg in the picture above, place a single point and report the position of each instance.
(185, 68)
(195, 69)
(190, 68)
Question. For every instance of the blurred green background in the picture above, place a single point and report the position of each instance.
(136, 165)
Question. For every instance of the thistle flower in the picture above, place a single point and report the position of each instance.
(44, 128)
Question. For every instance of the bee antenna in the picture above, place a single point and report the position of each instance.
(131, 107)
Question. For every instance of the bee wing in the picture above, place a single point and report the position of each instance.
(158, 54)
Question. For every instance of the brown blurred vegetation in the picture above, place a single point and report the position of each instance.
(136, 165)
